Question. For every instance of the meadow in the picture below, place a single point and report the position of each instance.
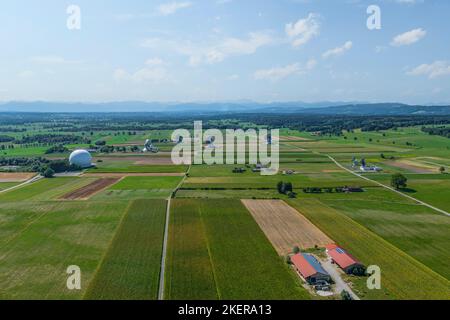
(39, 240)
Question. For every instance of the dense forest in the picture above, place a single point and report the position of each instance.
(132, 122)
(437, 131)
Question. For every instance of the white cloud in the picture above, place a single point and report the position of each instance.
(409, 37)
(154, 62)
(153, 71)
(172, 7)
(303, 30)
(338, 51)
(278, 73)
(52, 60)
(214, 52)
(433, 70)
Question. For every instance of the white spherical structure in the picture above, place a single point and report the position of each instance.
(81, 158)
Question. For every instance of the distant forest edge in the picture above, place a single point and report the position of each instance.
(69, 123)
(325, 108)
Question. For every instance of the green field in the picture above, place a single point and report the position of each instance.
(417, 230)
(431, 188)
(217, 251)
(45, 189)
(131, 267)
(140, 183)
(7, 185)
(39, 240)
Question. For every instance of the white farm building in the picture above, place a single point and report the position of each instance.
(81, 158)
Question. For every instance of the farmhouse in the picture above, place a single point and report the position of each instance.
(343, 259)
(309, 268)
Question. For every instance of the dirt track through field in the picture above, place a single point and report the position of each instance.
(123, 175)
(88, 191)
(284, 226)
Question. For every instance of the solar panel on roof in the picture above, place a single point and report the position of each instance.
(339, 250)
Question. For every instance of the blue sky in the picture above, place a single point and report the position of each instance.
(225, 50)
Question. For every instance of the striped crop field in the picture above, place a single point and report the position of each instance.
(131, 267)
(217, 251)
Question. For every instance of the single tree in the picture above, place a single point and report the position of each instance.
(398, 181)
(442, 170)
(48, 173)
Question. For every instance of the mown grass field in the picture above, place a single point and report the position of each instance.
(217, 251)
(431, 188)
(39, 240)
(130, 168)
(403, 277)
(7, 185)
(45, 189)
(142, 183)
(131, 267)
(417, 230)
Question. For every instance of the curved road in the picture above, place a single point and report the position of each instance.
(389, 188)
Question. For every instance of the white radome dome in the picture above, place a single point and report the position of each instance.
(81, 158)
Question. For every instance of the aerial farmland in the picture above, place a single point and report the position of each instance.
(225, 159)
(141, 228)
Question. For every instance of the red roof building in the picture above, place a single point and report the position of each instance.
(309, 268)
(343, 259)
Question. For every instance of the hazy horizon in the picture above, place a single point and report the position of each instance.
(225, 50)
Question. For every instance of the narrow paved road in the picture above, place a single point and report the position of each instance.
(166, 237)
(335, 275)
(389, 188)
(34, 179)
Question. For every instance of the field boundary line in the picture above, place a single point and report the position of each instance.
(108, 249)
(208, 248)
(166, 238)
(390, 188)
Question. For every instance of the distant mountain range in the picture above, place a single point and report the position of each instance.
(319, 108)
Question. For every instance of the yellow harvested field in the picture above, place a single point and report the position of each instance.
(16, 176)
(284, 226)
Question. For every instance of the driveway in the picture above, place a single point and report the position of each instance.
(336, 276)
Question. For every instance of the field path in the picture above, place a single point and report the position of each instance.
(34, 179)
(390, 188)
(165, 241)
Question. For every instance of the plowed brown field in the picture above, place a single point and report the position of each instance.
(88, 191)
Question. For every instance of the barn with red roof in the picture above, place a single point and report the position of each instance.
(344, 259)
(309, 268)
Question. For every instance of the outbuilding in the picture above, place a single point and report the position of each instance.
(344, 260)
(309, 268)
